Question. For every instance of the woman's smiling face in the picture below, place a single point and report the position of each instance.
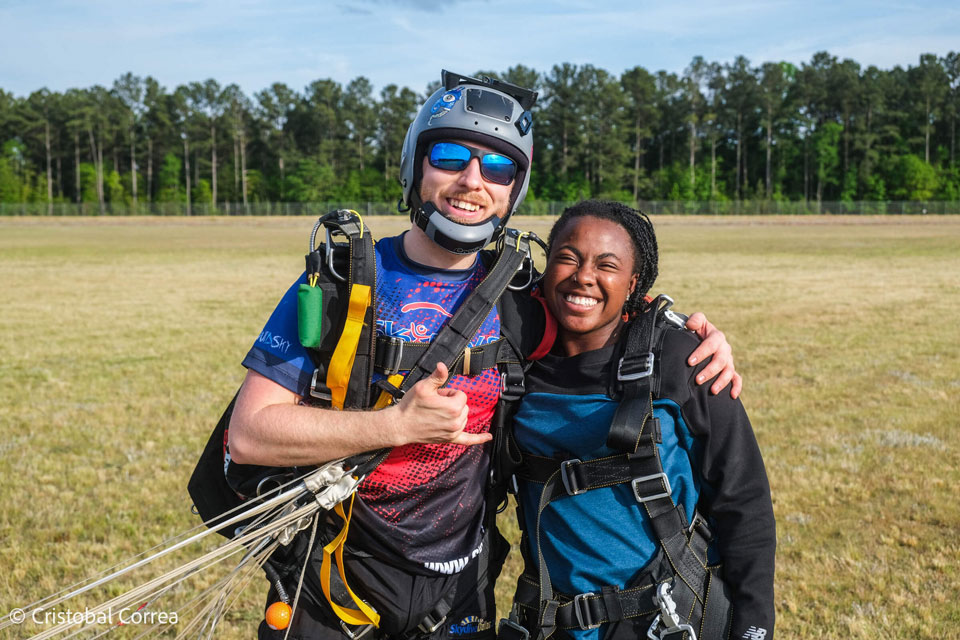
(589, 277)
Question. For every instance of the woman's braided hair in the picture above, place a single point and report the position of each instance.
(640, 229)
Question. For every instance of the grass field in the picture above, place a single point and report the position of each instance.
(120, 344)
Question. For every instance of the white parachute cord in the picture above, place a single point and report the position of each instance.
(306, 485)
(137, 594)
(251, 571)
(45, 603)
(303, 571)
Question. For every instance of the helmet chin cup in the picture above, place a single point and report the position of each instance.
(456, 237)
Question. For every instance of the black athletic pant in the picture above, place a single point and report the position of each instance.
(402, 599)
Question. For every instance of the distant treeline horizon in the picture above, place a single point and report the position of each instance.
(827, 130)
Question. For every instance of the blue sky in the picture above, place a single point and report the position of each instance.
(60, 44)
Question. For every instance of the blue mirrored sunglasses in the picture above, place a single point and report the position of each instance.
(454, 156)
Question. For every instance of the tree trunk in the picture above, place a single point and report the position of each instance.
(806, 170)
(59, 176)
(150, 169)
(693, 155)
(213, 167)
(76, 165)
(281, 178)
(563, 156)
(746, 174)
(737, 171)
(236, 168)
(713, 168)
(769, 148)
(46, 140)
(636, 163)
(186, 170)
(133, 169)
(243, 168)
(660, 172)
(926, 135)
(97, 157)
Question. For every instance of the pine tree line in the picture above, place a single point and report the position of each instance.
(828, 130)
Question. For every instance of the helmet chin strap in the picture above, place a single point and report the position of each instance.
(455, 237)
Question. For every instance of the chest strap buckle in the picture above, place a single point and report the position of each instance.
(569, 479)
(636, 367)
(582, 610)
(641, 498)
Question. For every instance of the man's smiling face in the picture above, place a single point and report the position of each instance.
(464, 196)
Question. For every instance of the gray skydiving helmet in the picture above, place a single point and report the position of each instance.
(485, 111)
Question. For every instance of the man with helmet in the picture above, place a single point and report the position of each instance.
(419, 551)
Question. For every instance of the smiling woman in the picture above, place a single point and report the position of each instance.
(635, 483)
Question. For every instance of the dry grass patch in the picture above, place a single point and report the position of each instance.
(121, 342)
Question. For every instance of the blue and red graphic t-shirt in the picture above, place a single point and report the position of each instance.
(424, 503)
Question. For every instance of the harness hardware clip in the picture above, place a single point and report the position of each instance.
(395, 367)
(314, 393)
(359, 632)
(429, 624)
(636, 482)
(569, 481)
(512, 628)
(583, 613)
(648, 370)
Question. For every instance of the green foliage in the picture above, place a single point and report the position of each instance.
(825, 130)
(168, 180)
(114, 190)
(201, 193)
(917, 180)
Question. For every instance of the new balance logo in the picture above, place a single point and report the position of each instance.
(754, 633)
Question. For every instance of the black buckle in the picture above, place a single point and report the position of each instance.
(636, 482)
(569, 480)
(646, 368)
(320, 395)
(429, 624)
(384, 385)
(584, 619)
(510, 630)
(395, 367)
(510, 390)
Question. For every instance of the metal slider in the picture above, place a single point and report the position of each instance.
(395, 367)
(582, 611)
(626, 377)
(636, 482)
(569, 482)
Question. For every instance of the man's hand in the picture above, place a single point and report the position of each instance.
(429, 412)
(715, 344)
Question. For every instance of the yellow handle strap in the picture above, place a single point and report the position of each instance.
(341, 364)
(385, 398)
(364, 614)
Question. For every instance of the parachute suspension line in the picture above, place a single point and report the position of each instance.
(243, 511)
(303, 571)
(174, 577)
(276, 520)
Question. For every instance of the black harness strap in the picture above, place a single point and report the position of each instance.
(396, 354)
(697, 592)
(453, 338)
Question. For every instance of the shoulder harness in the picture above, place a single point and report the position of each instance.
(337, 323)
(682, 596)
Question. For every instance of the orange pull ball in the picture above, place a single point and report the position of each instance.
(278, 616)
